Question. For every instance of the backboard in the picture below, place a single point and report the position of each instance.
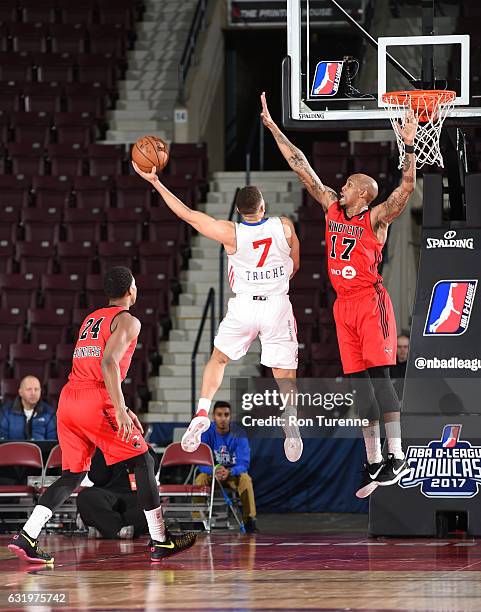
(341, 89)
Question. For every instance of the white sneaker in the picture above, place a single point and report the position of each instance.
(127, 532)
(94, 533)
(293, 445)
(191, 439)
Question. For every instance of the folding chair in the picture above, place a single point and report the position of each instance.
(185, 493)
(18, 454)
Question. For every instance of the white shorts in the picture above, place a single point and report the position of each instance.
(271, 319)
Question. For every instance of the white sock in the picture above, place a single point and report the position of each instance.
(36, 521)
(394, 442)
(204, 404)
(155, 522)
(372, 440)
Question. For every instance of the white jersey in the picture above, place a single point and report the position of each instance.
(262, 264)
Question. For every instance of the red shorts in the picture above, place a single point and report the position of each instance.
(366, 330)
(86, 420)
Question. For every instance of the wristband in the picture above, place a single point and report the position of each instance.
(409, 148)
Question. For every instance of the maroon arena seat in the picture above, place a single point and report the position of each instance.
(4, 127)
(8, 11)
(51, 192)
(106, 159)
(107, 39)
(188, 160)
(33, 359)
(61, 290)
(68, 159)
(14, 191)
(57, 67)
(97, 68)
(83, 224)
(11, 96)
(68, 38)
(125, 224)
(86, 98)
(154, 292)
(155, 258)
(75, 257)
(54, 388)
(80, 11)
(7, 250)
(48, 326)
(18, 290)
(16, 66)
(27, 158)
(9, 388)
(35, 257)
(32, 127)
(42, 224)
(63, 359)
(119, 12)
(93, 192)
(116, 254)
(30, 37)
(74, 127)
(12, 321)
(94, 291)
(133, 192)
(34, 11)
(9, 222)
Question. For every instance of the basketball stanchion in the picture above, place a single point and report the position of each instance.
(230, 504)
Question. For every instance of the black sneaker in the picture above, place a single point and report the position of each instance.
(251, 526)
(26, 548)
(370, 480)
(393, 471)
(172, 545)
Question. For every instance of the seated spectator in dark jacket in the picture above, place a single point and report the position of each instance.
(232, 456)
(111, 508)
(398, 371)
(28, 417)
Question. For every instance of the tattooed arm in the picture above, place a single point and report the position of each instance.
(385, 213)
(298, 162)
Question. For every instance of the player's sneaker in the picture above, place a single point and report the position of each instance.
(370, 480)
(293, 444)
(392, 471)
(191, 439)
(173, 544)
(26, 549)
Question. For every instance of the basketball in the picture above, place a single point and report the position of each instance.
(150, 151)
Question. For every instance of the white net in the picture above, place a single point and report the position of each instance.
(431, 108)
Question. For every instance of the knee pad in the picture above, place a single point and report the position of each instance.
(384, 391)
(365, 400)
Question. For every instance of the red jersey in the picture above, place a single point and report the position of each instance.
(89, 350)
(353, 251)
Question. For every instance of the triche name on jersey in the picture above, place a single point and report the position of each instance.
(259, 275)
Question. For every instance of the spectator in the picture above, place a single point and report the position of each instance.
(398, 371)
(232, 458)
(28, 417)
(111, 508)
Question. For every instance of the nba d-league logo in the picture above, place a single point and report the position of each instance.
(326, 79)
(450, 307)
(448, 467)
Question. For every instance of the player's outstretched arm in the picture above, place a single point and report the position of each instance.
(293, 242)
(386, 212)
(127, 329)
(219, 230)
(298, 161)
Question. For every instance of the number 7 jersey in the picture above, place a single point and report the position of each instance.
(89, 350)
(262, 264)
(353, 251)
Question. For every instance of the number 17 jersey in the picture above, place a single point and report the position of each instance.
(89, 350)
(353, 252)
(262, 264)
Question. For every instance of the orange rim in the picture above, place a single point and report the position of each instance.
(424, 102)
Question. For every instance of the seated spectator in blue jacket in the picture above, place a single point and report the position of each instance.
(232, 456)
(28, 417)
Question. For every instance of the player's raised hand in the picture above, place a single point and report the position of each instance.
(124, 423)
(265, 114)
(408, 130)
(148, 176)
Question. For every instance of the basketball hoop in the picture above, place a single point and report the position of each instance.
(431, 108)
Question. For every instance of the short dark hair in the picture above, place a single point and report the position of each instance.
(248, 200)
(221, 404)
(117, 281)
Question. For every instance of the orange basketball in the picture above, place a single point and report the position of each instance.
(150, 151)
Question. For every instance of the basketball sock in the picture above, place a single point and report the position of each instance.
(203, 407)
(155, 522)
(372, 440)
(393, 435)
(36, 521)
